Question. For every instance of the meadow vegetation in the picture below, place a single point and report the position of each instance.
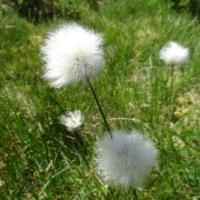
(39, 159)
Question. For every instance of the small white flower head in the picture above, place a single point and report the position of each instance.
(73, 121)
(126, 159)
(174, 54)
(72, 53)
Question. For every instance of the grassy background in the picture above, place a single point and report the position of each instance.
(40, 160)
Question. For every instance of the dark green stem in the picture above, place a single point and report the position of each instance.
(172, 90)
(99, 106)
(135, 193)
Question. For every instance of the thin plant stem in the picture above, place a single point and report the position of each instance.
(171, 91)
(99, 106)
(135, 193)
(172, 98)
(171, 111)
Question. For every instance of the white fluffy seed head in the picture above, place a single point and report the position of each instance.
(73, 121)
(174, 54)
(72, 53)
(126, 159)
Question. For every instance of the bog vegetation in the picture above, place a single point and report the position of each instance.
(39, 158)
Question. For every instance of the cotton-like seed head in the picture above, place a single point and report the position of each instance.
(73, 121)
(125, 159)
(72, 53)
(174, 54)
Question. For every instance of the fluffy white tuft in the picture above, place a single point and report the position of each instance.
(72, 53)
(126, 159)
(73, 121)
(174, 54)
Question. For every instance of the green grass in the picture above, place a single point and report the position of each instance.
(40, 160)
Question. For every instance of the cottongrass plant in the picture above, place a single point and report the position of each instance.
(73, 121)
(72, 53)
(173, 54)
(126, 158)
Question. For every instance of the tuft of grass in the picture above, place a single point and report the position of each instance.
(40, 160)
